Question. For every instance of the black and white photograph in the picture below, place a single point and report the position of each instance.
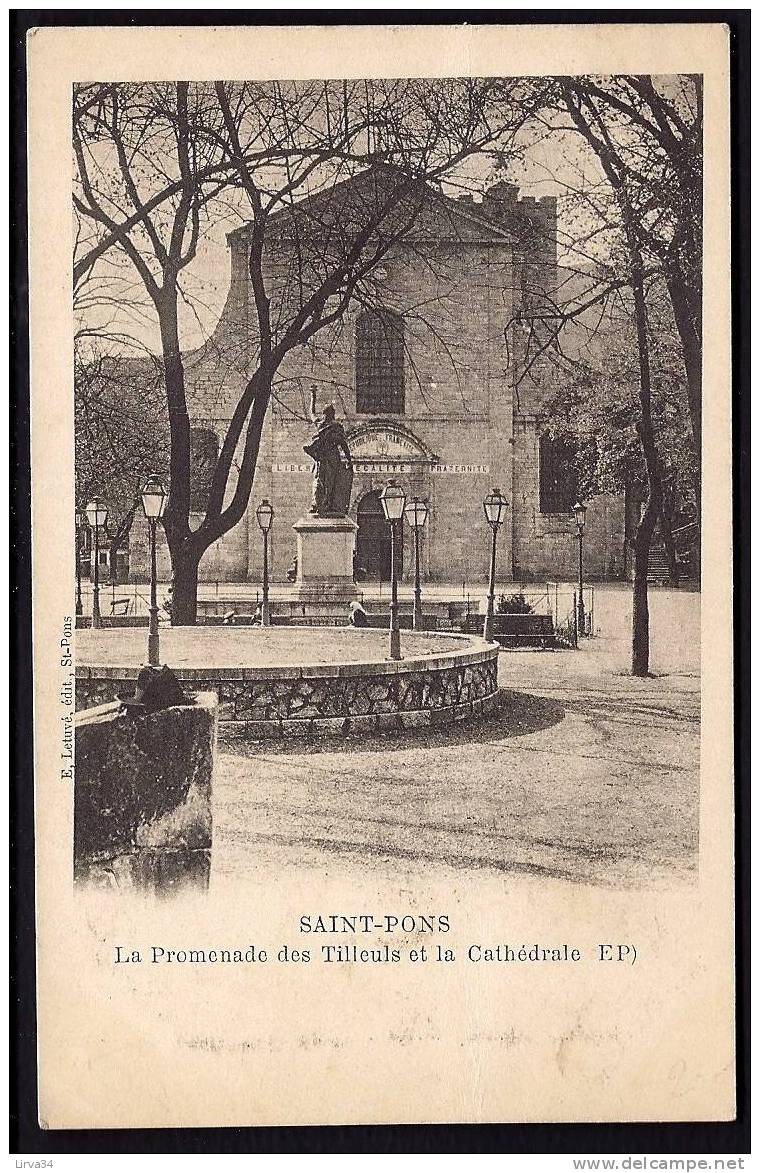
(382, 741)
(388, 430)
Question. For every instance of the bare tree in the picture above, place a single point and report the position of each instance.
(120, 432)
(608, 369)
(657, 190)
(633, 229)
(653, 134)
(288, 149)
(647, 135)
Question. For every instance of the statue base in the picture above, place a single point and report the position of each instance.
(325, 571)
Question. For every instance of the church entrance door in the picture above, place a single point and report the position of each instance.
(373, 541)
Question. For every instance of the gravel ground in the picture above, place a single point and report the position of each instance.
(244, 647)
(586, 775)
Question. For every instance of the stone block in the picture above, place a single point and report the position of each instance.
(390, 722)
(305, 712)
(332, 703)
(319, 671)
(332, 726)
(415, 720)
(258, 729)
(142, 795)
(359, 668)
(214, 673)
(297, 728)
(272, 672)
(386, 705)
(325, 558)
(362, 723)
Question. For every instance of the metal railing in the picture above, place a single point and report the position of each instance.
(563, 607)
(465, 602)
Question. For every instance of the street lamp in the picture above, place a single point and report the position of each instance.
(265, 517)
(495, 508)
(579, 510)
(112, 572)
(393, 499)
(154, 504)
(416, 513)
(97, 516)
(78, 523)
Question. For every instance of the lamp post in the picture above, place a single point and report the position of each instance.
(416, 513)
(78, 522)
(265, 517)
(495, 509)
(154, 503)
(579, 509)
(97, 516)
(393, 500)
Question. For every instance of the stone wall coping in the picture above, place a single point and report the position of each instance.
(317, 524)
(477, 651)
(97, 714)
(201, 700)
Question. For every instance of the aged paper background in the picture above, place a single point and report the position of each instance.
(224, 1045)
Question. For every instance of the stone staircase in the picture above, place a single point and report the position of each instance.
(657, 572)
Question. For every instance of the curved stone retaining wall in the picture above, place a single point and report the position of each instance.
(330, 699)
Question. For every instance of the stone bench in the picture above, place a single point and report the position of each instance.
(429, 622)
(85, 621)
(522, 630)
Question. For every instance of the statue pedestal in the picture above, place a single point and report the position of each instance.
(325, 559)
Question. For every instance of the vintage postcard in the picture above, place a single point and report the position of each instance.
(382, 565)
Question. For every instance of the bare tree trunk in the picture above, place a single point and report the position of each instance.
(643, 539)
(176, 520)
(688, 323)
(177, 516)
(688, 326)
(640, 626)
(685, 294)
(185, 587)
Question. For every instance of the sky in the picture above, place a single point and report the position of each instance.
(122, 307)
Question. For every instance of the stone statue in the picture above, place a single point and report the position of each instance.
(333, 475)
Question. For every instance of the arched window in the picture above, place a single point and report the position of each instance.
(379, 363)
(204, 453)
(557, 475)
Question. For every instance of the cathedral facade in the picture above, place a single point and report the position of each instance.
(425, 383)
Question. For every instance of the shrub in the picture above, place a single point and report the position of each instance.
(515, 604)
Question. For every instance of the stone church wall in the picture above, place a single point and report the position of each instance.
(545, 545)
(473, 433)
(457, 404)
